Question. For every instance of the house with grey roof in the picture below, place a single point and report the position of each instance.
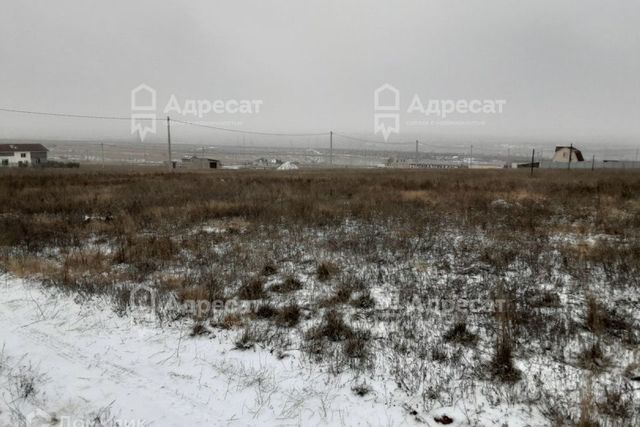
(22, 154)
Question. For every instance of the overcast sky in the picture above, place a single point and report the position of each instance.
(569, 70)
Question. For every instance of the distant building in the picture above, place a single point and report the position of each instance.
(564, 153)
(435, 165)
(526, 165)
(22, 154)
(427, 164)
(193, 162)
(263, 162)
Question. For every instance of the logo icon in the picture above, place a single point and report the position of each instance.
(143, 295)
(143, 110)
(37, 418)
(386, 105)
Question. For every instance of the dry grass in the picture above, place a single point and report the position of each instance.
(460, 334)
(333, 327)
(42, 207)
(290, 284)
(288, 316)
(252, 290)
(317, 252)
(31, 266)
(326, 270)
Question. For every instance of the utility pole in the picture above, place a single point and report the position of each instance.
(533, 156)
(169, 142)
(416, 152)
(470, 156)
(593, 162)
(366, 153)
(331, 148)
(570, 153)
(102, 149)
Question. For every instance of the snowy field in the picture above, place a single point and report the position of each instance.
(79, 364)
(308, 298)
(85, 364)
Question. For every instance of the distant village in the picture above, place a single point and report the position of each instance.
(571, 157)
(563, 157)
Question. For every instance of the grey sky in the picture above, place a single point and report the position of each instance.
(569, 70)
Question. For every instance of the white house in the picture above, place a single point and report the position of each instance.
(22, 154)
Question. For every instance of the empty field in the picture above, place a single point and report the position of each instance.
(462, 296)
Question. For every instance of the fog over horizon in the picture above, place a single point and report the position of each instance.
(569, 71)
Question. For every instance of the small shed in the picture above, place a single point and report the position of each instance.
(193, 162)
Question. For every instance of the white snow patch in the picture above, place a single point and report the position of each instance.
(89, 362)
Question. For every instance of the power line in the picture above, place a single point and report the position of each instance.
(79, 116)
(250, 132)
(373, 141)
(218, 128)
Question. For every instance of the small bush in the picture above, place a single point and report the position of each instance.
(24, 382)
(269, 269)
(288, 316)
(460, 334)
(246, 340)
(266, 311)
(443, 419)
(593, 358)
(230, 321)
(344, 292)
(342, 295)
(438, 355)
(361, 389)
(364, 301)
(198, 329)
(290, 284)
(26, 386)
(356, 347)
(545, 299)
(252, 290)
(333, 328)
(326, 270)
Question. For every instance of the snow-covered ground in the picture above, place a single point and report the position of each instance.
(74, 362)
(85, 363)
